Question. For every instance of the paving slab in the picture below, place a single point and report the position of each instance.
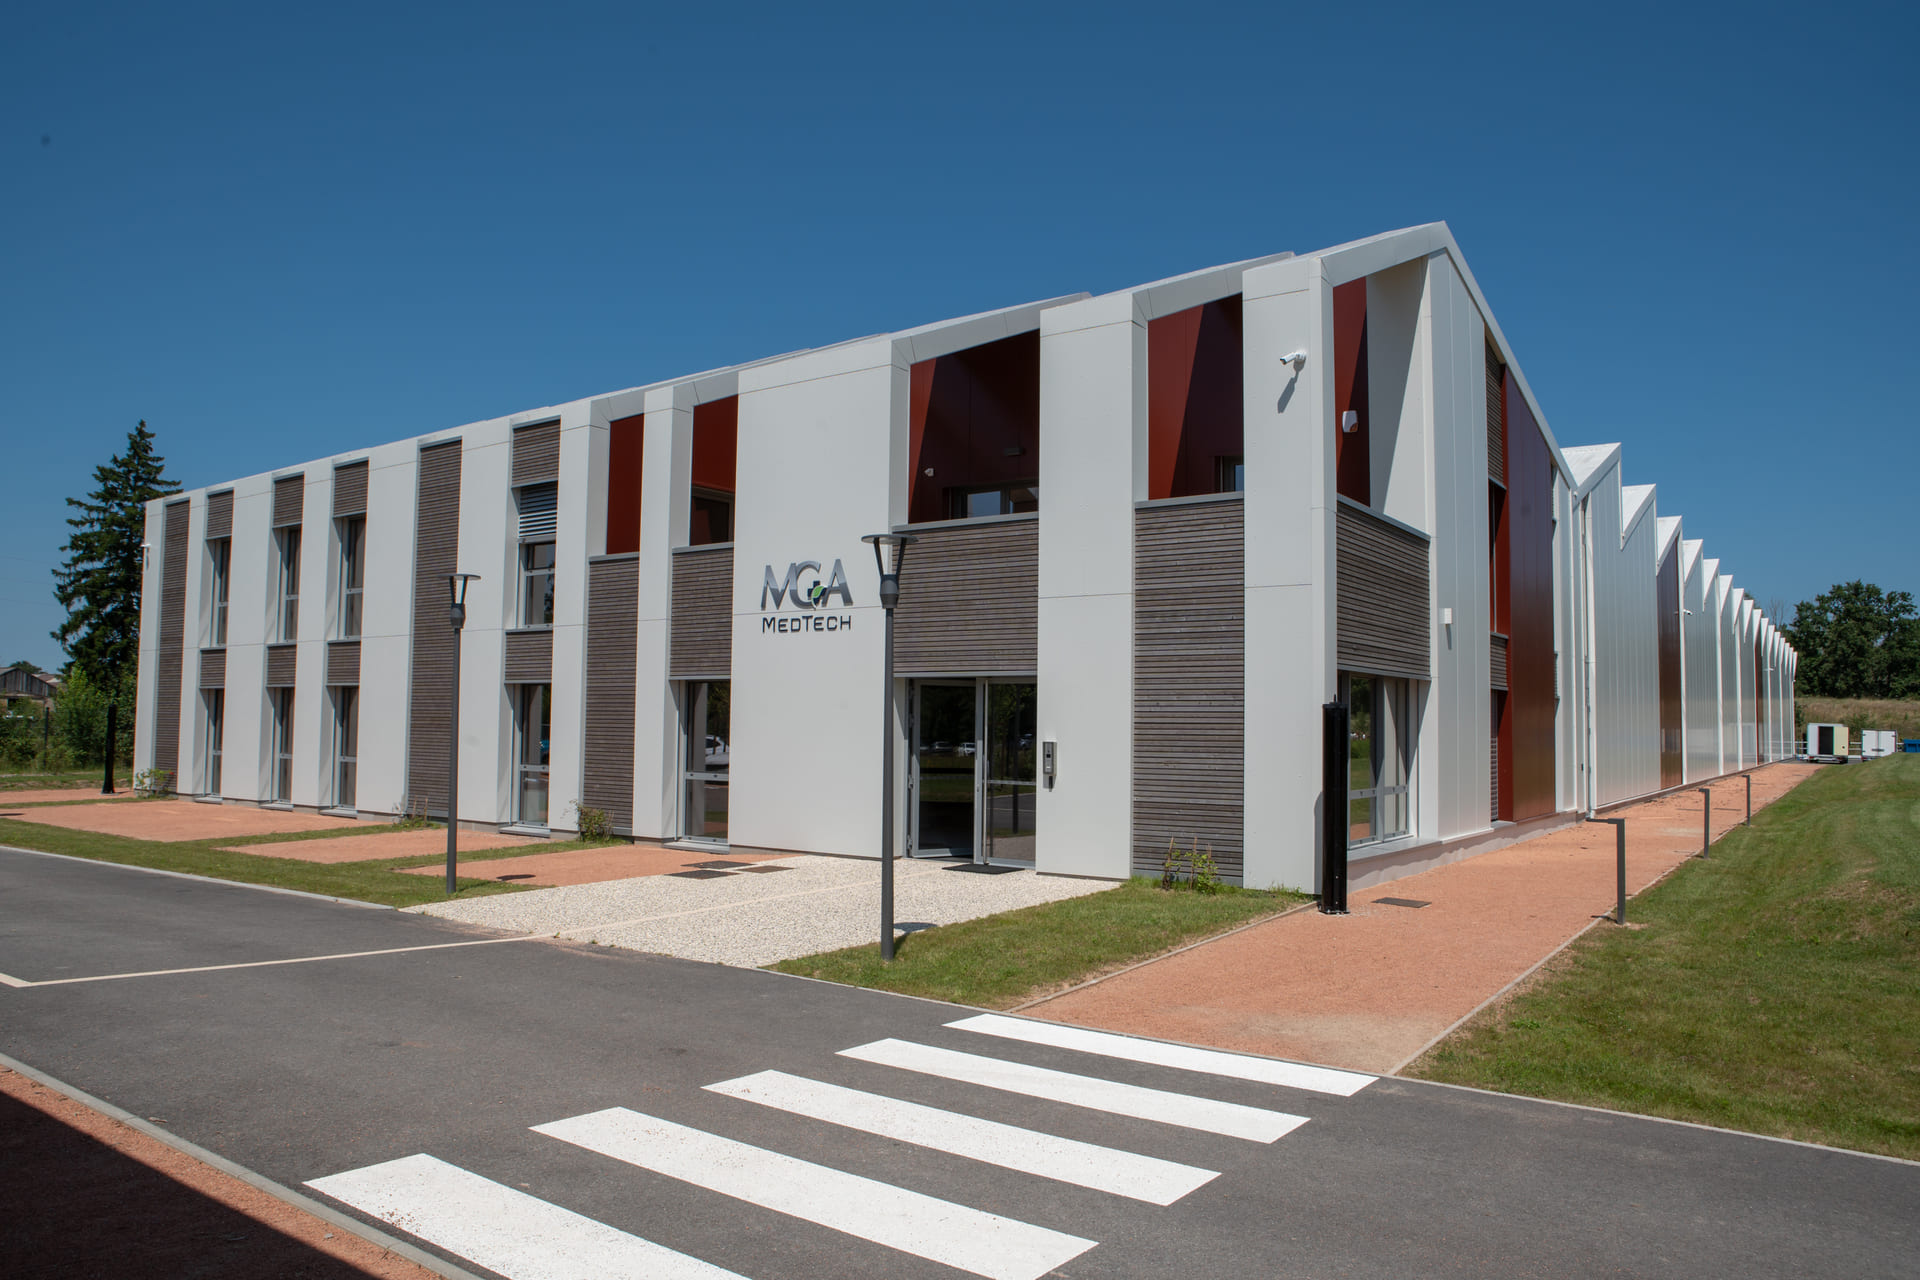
(597, 865)
(755, 917)
(381, 844)
(171, 821)
(1370, 990)
(59, 795)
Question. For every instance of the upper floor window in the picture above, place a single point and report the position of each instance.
(974, 432)
(1195, 416)
(288, 540)
(716, 436)
(538, 521)
(353, 572)
(220, 552)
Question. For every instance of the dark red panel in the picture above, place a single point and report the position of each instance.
(1529, 739)
(1354, 463)
(974, 422)
(624, 463)
(716, 432)
(1666, 589)
(1194, 405)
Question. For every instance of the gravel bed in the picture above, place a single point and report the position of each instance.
(757, 918)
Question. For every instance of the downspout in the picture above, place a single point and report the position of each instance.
(1587, 668)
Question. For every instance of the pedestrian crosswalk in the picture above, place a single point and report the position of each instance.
(523, 1237)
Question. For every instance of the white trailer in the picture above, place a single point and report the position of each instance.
(1875, 743)
(1827, 742)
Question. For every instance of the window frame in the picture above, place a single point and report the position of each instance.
(287, 598)
(220, 550)
(350, 536)
(530, 574)
(1393, 700)
(346, 735)
(213, 704)
(523, 770)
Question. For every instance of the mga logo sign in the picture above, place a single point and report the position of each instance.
(803, 589)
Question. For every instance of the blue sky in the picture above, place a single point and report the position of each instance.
(278, 233)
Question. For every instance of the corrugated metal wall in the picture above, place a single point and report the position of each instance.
(1701, 635)
(436, 550)
(1189, 682)
(1666, 586)
(1626, 692)
(613, 612)
(970, 601)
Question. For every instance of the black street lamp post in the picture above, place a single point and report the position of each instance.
(889, 551)
(457, 615)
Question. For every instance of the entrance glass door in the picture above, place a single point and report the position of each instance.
(1007, 765)
(707, 757)
(944, 754)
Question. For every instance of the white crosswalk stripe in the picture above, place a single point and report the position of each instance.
(1291, 1075)
(520, 1236)
(1229, 1118)
(953, 1234)
(1121, 1173)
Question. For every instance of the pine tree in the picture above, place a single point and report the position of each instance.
(99, 586)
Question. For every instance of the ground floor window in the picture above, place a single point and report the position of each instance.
(705, 707)
(1380, 729)
(533, 732)
(283, 745)
(346, 745)
(216, 701)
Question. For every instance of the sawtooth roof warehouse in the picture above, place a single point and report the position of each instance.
(1158, 530)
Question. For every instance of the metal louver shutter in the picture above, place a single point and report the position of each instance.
(173, 632)
(539, 511)
(213, 668)
(536, 453)
(1496, 417)
(219, 515)
(612, 669)
(436, 550)
(343, 662)
(289, 496)
(350, 489)
(282, 662)
(700, 636)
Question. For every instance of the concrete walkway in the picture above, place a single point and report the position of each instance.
(771, 911)
(1371, 990)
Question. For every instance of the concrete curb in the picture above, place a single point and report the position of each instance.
(333, 1217)
(184, 875)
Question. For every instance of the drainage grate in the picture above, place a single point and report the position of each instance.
(1400, 902)
(760, 871)
(719, 864)
(982, 869)
(697, 874)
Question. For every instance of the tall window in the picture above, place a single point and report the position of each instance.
(535, 729)
(539, 514)
(1381, 751)
(289, 585)
(220, 552)
(353, 572)
(215, 700)
(705, 707)
(283, 745)
(346, 745)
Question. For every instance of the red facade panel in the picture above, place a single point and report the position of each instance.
(1353, 461)
(974, 423)
(1527, 722)
(624, 467)
(1672, 715)
(1194, 406)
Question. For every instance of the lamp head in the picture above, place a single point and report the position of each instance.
(889, 552)
(457, 596)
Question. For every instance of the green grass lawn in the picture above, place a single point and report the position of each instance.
(77, 779)
(1005, 960)
(372, 881)
(1773, 988)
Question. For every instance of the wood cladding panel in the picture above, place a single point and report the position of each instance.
(1189, 683)
(1383, 597)
(436, 548)
(289, 500)
(1527, 739)
(970, 601)
(536, 453)
(1497, 666)
(700, 635)
(1666, 594)
(173, 638)
(613, 612)
(343, 663)
(350, 489)
(283, 661)
(528, 657)
(219, 515)
(213, 668)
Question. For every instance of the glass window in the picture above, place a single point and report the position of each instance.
(1006, 500)
(712, 519)
(353, 573)
(1008, 826)
(220, 552)
(536, 584)
(215, 700)
(1381, 753)
(535, 731)
(283, 745)
(346, 745)
(289, 540)
(1230, 475)
(973, 432)
(705, 716)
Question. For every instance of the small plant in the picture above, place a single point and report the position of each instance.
(593, 824)
(154, 782)
(1202, 876)
(411, 816)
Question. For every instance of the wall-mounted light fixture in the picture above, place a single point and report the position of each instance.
(1350, 421)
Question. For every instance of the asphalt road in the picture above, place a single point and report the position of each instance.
(306, 1070)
